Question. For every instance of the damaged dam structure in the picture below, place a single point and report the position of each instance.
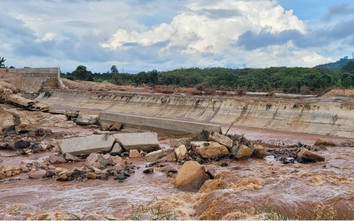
(331, 116)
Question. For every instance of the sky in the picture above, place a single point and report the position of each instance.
(141, 35)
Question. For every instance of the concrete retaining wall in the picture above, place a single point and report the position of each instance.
(324, 116)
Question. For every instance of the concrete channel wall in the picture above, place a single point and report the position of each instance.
(325, 116)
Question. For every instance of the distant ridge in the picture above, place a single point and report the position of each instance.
(336, 65)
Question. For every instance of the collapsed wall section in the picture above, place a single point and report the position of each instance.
(324, 116)
(32, 80)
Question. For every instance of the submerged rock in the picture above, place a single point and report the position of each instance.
(306, 156)
(242, 152)
(259, 151)
(191, 176)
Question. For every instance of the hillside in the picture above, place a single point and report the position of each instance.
(336, 65)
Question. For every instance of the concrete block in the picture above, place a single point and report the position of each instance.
(86, 145)
(140, 141)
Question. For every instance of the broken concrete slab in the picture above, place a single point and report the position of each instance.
(155, 155)
(88, 144)
(222, 139)
(141, 141)
(117, 148)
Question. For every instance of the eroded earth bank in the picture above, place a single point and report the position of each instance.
(70, 153)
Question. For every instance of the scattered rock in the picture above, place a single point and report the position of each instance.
(181, 152)
(148, 170)
(113, 160)
(242, 152)
(155, 155)
(53, 216)
(222, 139)
(54, 159)
(43, 132)
(181, 141)
(324, 142)
(134, 153)
(209, 150)
(22, 144)
(86, 119)
(306, 156)
(121, 177)
(259, 151)
(91, 175)
(71, 158)
(116, 126)
(37, 174)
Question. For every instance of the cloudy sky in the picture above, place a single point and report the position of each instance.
(141, 35)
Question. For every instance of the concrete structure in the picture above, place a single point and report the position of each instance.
(158, 123)
(88, 144)
(32, 80)
(139, 141)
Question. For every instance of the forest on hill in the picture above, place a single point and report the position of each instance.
(273, 79)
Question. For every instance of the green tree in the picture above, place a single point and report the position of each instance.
(81, 73)
(2, 62)
(114, 70)
(154, 76)
(349, 67)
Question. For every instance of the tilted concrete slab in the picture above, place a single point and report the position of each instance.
(88, 144)
(160, 123)
(139, 141)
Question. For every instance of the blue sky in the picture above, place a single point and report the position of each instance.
(141, 35)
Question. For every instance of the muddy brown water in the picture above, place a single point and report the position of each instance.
(254, 189)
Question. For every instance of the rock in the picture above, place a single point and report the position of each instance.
(134, 153)
(92, 160)
(115, 169)
(53, 216)
(54, 159)
(209, 150)
(222, 139)
(88, 144)
(306, 156)
(91, 175)
(117, 149)
(180, 141)
(22, 144)
(181, 152)
(113, 160)
(2, 175)
(121, 177)
(64, 177)
(116, 126)
(43, 132)
(259, 151)
(155, 155)
(324, 142)
(103, 162)
(191, 176)
(148, 171)
(86, 119)
(170, 155)
(242, 152)
(37, 174)
(71, 158)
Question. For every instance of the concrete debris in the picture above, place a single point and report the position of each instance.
(209, 150)
(117, 148)
(141, 141)
(306, 156)
(88, 144)
(155, 155)
(37, 174)
(259, 151)
(222, 139)
(17, 100)
(71, 158)
(191, 176)
(55, 159)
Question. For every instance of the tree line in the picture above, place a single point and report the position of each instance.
(276, 79)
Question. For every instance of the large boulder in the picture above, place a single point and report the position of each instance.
(37, 174)
(222, 139)
(191, 176)
(259, 151)
(242, 152)
(210, 150)
(306, 156)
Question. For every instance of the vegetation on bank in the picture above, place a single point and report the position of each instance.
(273, 79)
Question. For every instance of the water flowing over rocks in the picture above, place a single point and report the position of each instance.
(191, 176)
